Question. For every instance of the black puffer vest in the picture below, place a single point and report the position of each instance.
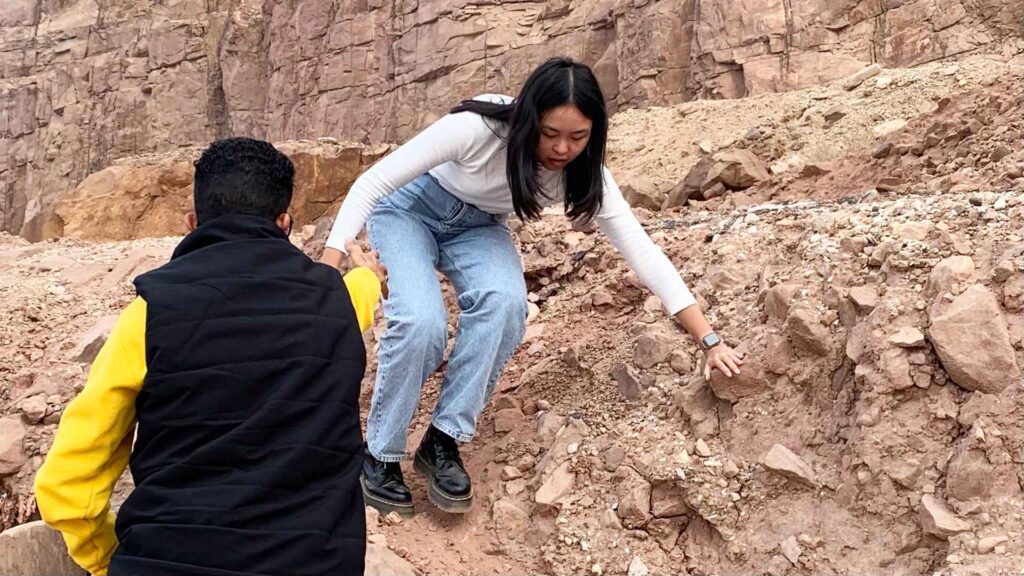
(248, 452)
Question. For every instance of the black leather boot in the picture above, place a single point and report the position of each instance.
(384, 486)
(438, 459)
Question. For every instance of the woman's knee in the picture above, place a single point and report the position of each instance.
(508, 305)
(426, 328)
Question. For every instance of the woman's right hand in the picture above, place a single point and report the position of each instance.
(359, 258)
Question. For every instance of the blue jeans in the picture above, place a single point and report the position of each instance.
(419, 230)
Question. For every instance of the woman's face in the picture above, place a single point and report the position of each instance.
(564, 133)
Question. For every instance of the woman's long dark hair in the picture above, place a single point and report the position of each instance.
(557, 82)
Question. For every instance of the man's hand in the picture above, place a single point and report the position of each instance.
(357, 257)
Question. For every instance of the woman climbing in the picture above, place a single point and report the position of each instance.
(440, 203)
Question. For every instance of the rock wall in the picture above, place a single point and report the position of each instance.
(84, 82)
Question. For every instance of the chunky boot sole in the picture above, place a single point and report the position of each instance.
(446, 502)
(383, 505)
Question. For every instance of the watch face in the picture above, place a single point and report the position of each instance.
(711, 340)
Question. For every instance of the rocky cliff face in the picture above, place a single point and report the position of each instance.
(84, 82)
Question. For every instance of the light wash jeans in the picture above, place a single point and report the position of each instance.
(418, 230)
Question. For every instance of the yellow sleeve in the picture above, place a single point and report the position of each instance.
(92, 446)
(364, 289)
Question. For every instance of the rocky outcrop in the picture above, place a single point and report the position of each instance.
(83, 83)
(149, 197)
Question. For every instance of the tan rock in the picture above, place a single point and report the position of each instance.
(784, 462)
(806, 331)
(858, 78)
(668, 500)
(556, 486)
(634, 493)
(865, 297)
(381, 561)
(92, 341)
(778, 300)
(34, 549)
(509, 516)
(737, 169)
(629, 386)
(971, 340)
(907, 337)
(969, 475)
(12, 439)
(938, 520)
(653, 347)
(950, 272)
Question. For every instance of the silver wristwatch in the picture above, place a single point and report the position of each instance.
(710, 341)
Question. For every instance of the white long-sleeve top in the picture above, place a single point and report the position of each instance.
(466, 153)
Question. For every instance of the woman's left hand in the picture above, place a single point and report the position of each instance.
(722, 358)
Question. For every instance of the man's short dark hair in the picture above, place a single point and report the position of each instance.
(242, 176)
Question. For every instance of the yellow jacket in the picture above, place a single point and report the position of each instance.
(94, 440)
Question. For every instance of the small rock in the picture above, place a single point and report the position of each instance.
(556, 486)
(886, 128)
(601, 298)
(510, 473)
(948, 272)
(835, 113)
(1004, 269)
(515, 487)
(817, 169)
(12, 439)
(753, 134)
(652, 348)
(791, 550)
(543, 405)
(533, 332)
(778, 300)
(858, 78)
(990, 543)
(668, 501)
(784, 462)
(938, 520)
(907, 337)
(905, 472)
(999, 152)
(865, 297)
(683, 458)
(534, 311)
(853, 244)
(888, 184)
(634, 494)
(609, 519)
(629, 386)
(730, 469)
(680, 362)
(34, 408)
(509, 516)
(613, 457)
(915, 230)
(90, 343)
(702, 449)
(806, 331)
(882, 82)
(637, 567)
(372, 518)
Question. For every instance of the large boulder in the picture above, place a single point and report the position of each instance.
(971, 340)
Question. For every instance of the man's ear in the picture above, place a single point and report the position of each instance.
(284, 222)
(191, 221)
